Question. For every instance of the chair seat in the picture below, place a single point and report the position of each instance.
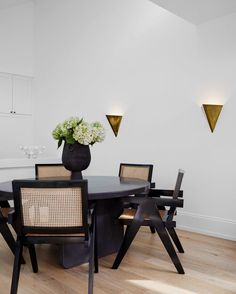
(5, 211)
(129, 214)
(55, 235)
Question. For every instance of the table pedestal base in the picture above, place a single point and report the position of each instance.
(109, 235)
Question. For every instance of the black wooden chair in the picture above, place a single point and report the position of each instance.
(4, 229)
(148, 214)
(46, 170)
(168, 214)
(51, 212)
(138, 171)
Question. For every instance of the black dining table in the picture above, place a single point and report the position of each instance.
(106, 192)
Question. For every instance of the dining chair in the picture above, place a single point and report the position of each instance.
(138, 171)
(168, 214)
(148, 214)
(4, 229)
(51, 212)
(45, 170)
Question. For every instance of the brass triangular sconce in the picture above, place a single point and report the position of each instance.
(114, 121)
(212, 114)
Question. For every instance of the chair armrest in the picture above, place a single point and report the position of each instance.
(158, 201)
(163, 192)
(169, 202)
(143, 194)
(11, 217)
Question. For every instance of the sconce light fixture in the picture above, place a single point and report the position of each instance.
(212, 113)
(114, 121)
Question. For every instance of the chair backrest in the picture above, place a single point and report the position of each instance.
(136, 171)
(46, 170)
(178, 183)
(51, 207)
(173, 209)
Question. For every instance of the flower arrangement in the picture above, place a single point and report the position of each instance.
(77, 130)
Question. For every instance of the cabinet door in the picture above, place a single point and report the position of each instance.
(22, 95)
(5, 93)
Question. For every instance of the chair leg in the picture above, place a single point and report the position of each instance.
(130, 234)
(95, 257)
(7, 235)
(95, 246)
(176, 240)
(33, 258)
(152, 229)
(91, 262)
(16, 267)
(169, 248)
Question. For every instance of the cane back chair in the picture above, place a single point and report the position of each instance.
(46, 170)
(138, 171)
(51, 211)
(148, 214)
(4, 229)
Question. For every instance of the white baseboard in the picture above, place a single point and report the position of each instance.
(208, 225)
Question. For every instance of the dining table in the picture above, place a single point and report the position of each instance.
(106, 192)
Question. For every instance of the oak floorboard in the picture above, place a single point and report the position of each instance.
(209, 263)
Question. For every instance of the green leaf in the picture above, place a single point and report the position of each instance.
(59, 143)
(70, 140)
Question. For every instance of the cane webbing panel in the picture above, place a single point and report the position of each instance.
(51, 207)
(53, 171)
(135, 172)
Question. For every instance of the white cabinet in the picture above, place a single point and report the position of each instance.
(21, 98)
(5, 93)
(15, 94)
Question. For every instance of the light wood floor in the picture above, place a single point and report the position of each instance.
(209, 263)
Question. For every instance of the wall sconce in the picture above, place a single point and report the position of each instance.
(114, 121)
(212, 113)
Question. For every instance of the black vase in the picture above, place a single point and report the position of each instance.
(76, 157)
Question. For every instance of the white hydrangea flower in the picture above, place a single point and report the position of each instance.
(83, 133)
(98, 132)
(75, 129)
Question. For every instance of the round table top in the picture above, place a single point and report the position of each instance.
(99, 187)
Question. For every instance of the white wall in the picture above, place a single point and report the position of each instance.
(98, 57)
(16, 56)
(213, 159)
(16, 35)
(93, 58)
